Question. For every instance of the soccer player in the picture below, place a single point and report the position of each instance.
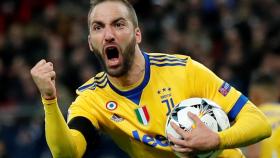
(264, 92)
(131, 99)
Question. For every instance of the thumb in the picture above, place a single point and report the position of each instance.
(53, 80)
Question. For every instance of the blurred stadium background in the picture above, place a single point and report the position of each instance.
(234, 38)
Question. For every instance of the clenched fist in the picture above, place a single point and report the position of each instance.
(43, 75)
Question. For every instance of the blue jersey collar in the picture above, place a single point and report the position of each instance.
(136, 92)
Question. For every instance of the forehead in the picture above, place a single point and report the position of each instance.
(108, 11)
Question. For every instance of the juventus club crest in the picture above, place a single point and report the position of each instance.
(166, 98)
(143, 115)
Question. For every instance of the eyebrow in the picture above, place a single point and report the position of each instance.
(101, 23)
(119, 19)
(97, 22)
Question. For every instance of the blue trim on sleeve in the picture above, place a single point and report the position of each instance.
(168, 59)
(135, 94)
(85, 86)
(242, 100)
(168, 64)
(99, 77)
(101, 83)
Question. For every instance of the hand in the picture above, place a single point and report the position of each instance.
(43, 75)
(201, 138)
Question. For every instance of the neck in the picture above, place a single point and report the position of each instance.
(135, 74)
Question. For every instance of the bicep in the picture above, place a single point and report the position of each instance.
(82, 120)
(204, 83)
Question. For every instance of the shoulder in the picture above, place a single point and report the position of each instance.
(161, 59)
(99, 80)
(166, 55)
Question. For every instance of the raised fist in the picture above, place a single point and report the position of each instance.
(43, 75)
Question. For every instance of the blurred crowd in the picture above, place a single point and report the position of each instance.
(234, 38)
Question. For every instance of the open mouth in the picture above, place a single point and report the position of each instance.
(112, 53)
(113, 57)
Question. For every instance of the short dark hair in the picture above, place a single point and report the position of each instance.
(130, 8)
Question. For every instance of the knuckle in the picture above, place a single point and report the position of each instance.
(34, 73)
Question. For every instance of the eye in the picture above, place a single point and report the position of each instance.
(119, 25)
(96, 27)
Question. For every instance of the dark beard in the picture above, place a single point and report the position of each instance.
(128, 58)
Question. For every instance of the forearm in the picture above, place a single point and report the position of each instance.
(250, 127)
(61, 140)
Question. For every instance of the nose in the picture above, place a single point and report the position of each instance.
(109, 35)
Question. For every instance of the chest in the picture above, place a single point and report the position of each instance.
(144, 110)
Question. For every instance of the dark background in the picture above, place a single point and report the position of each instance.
(233, 38)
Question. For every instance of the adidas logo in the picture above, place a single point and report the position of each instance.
(116, 118)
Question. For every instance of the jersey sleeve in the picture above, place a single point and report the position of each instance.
(62, 141)
(80, 108)
(204, 83)
(250, 126)
(82, 118)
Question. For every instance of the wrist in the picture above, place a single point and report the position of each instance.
(48, 101)
(218, 141)
(48, 97)
(221, 138)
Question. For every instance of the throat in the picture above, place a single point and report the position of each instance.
(134, 77)
(129, 81)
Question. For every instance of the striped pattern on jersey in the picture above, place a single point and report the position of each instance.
(100, 80)
(166, 60)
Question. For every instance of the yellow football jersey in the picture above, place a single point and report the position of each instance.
(136, 118)
(270, 147)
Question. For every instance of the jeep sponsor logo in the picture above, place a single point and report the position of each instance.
(150, 140)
